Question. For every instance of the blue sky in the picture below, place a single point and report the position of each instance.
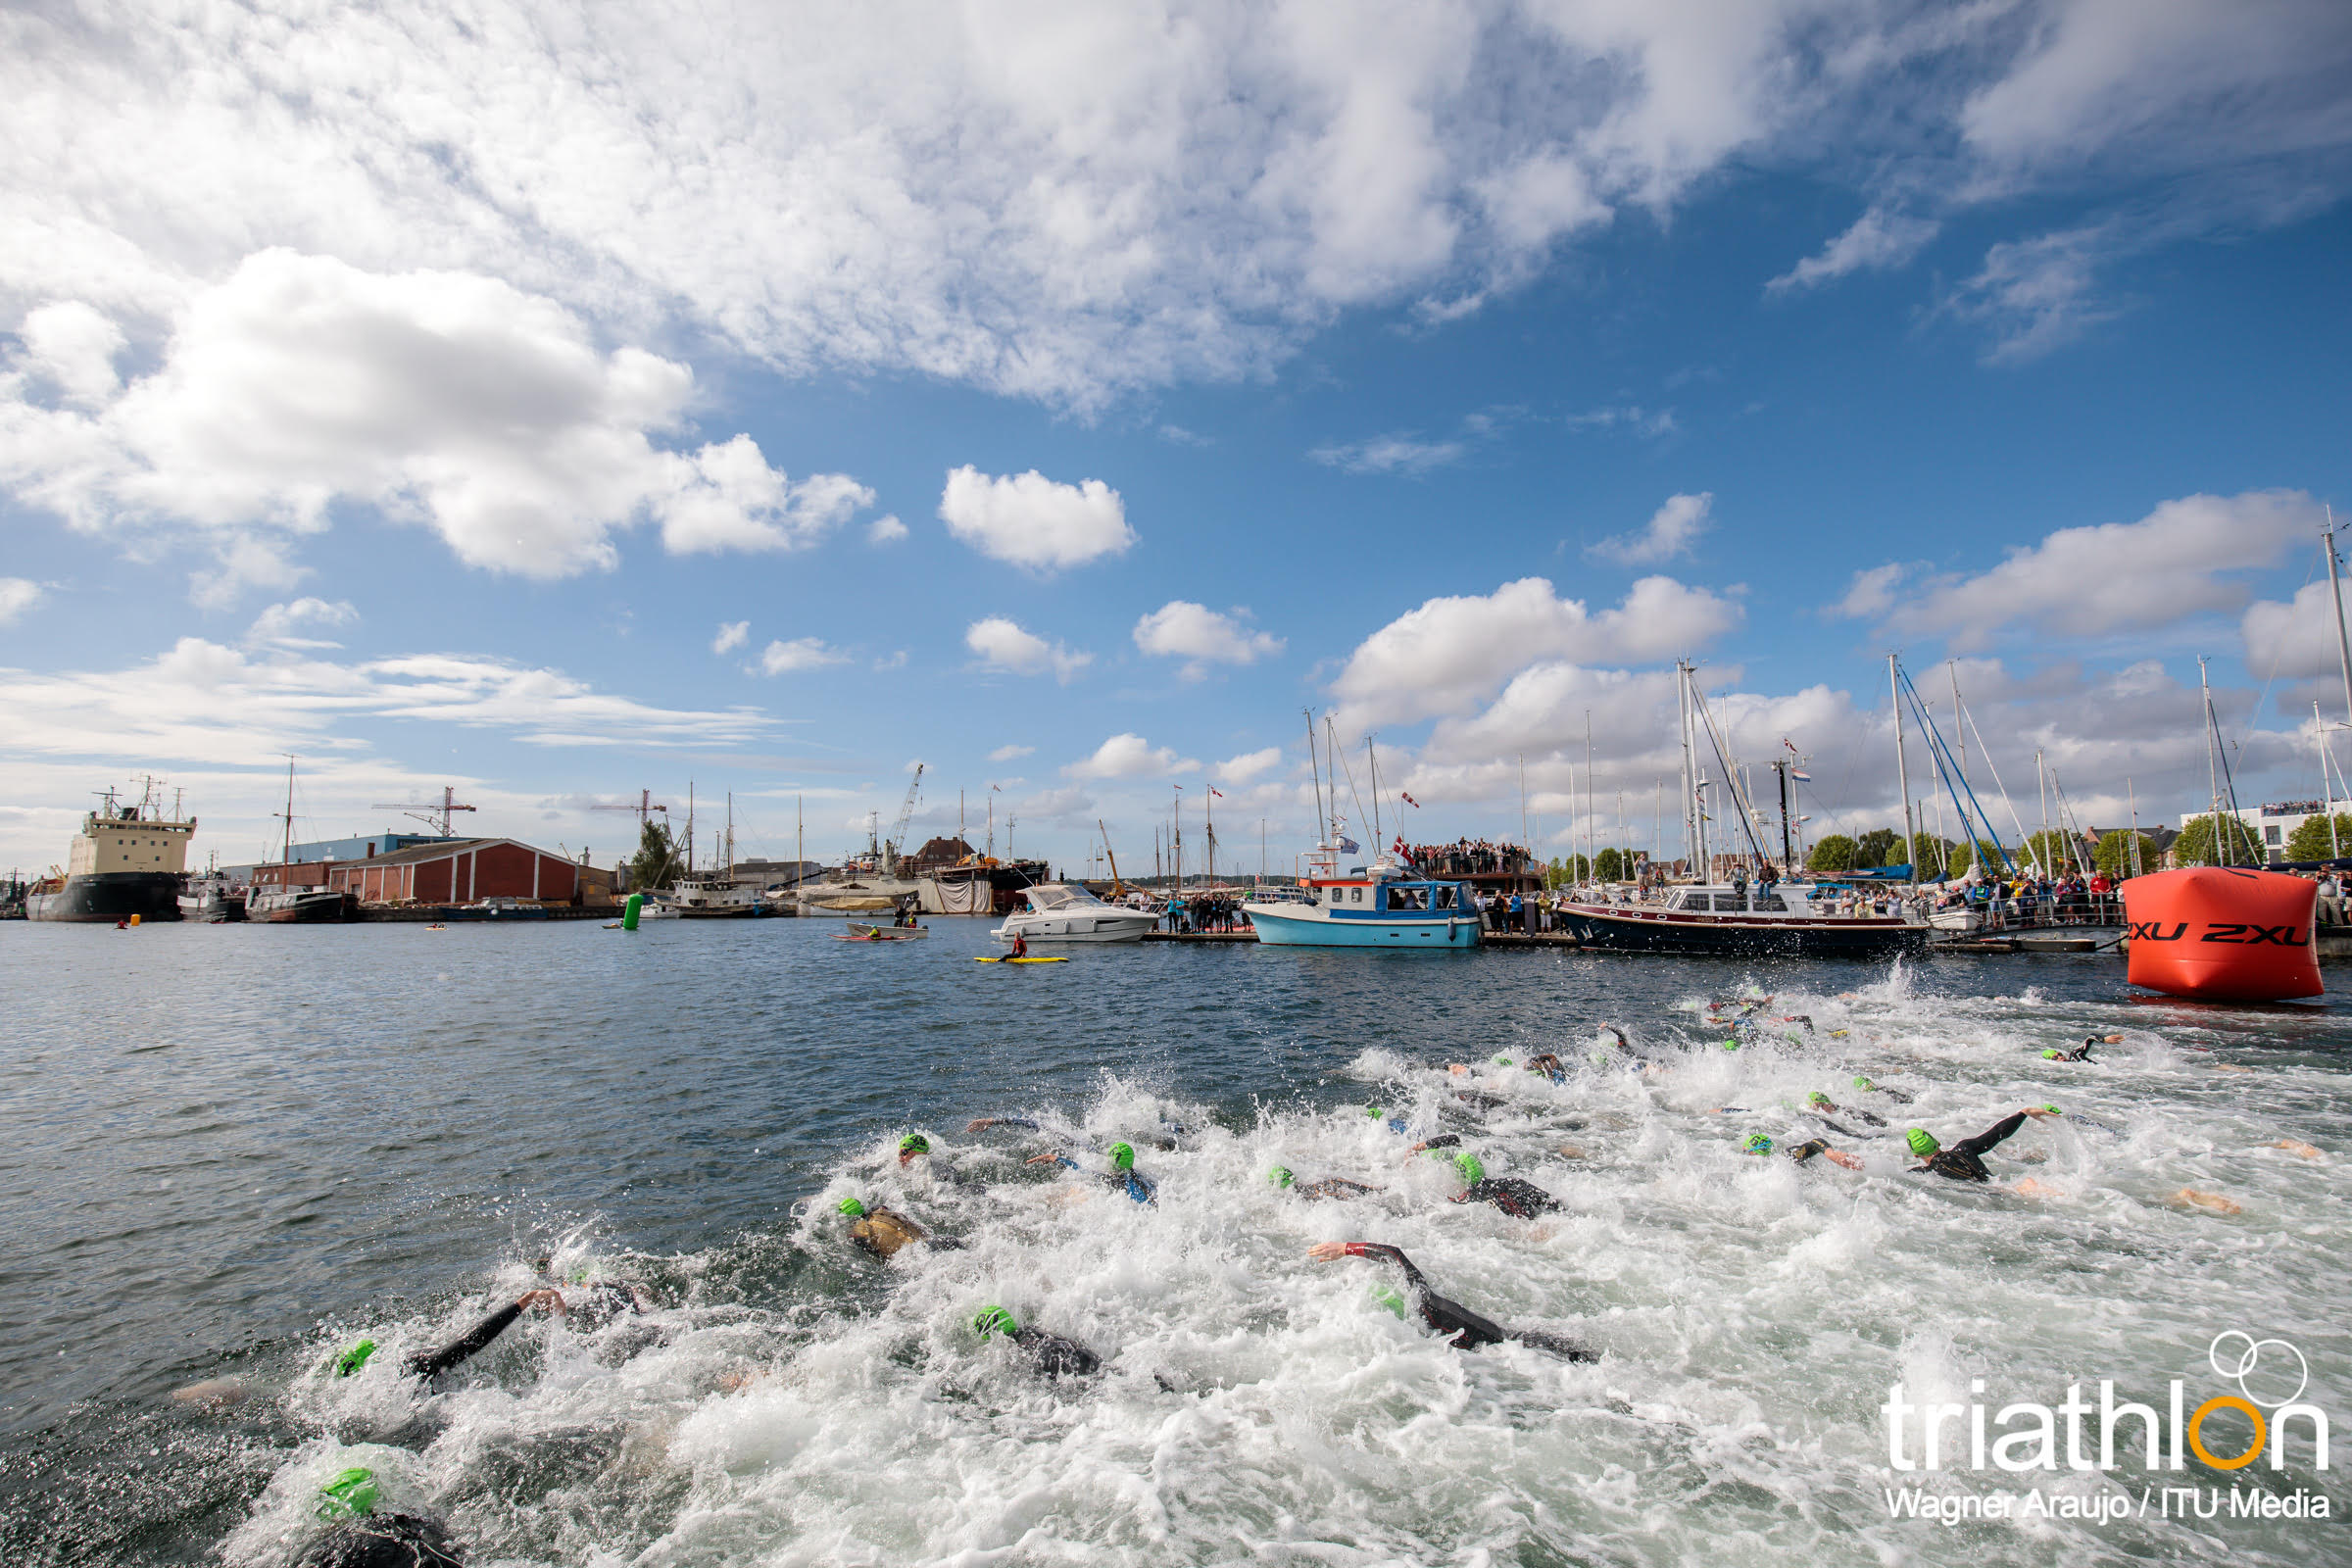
(433, 402)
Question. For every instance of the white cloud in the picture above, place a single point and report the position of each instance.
(1034, 521)
(1879, 240)
(444, 397)
(2039, 294)
(1003, 645)
(71, 345)
(17, 596)
(1392, 454)
(2183, 559)
(1200, 636)
(886, 529)
(1010, 753)
(732, 634)
(2296, 639)
(204, 702)
(802, 653)
(1668, 533)
(1247, 766)
(282, 625)
(1453, 651)
(1131, 757)
(1872, 592)
(892, 661)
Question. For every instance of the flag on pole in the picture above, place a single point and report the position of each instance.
(1408, 800)
(1348, 846)
(1218, 793)
(1806, 777)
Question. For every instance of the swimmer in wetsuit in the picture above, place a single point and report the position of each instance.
(1515, 1197)
(1325, 1186)
(1122, 1173)
(882, 1230)
(1759, 1144)
(363, 1538)
(1820, 1107)
(1465, 1328)
(598, 1303)
(1963, 1161)
(1050, 1353)
(2081, 1053)
(1900, 1096)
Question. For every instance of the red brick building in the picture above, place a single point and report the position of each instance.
(459, 871)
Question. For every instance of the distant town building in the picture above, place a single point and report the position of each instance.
(364, 846)
(760, 873)
(458, 872)
(935, 855)
(2274, 822)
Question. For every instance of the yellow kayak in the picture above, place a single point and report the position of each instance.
(1020, 960)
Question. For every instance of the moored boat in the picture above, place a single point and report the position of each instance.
(1751, 920)
(128, 861)
(1064, 912)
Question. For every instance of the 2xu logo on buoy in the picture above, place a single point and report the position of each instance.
(2286, 936)
(2223, 934)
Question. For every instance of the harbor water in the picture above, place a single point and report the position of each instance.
(231, 1151)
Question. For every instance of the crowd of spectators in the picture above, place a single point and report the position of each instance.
(1468, 858)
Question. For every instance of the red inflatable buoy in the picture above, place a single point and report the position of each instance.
(2223, 934)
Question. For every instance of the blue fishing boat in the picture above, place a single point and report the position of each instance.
(1381, 905)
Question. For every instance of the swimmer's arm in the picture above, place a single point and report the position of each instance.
(980, 1123)
(1329, 1252)
(1056, 1157)
(1993, 1134)
(465, 1346)
(1441, 1141)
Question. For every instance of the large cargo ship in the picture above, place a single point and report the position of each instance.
(127, 860)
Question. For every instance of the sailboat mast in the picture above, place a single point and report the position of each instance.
(1681, 700)
(2212, 777)
(285, 856)
(2319, 733)
(1372, 766)
(2343, 646)
(2132, 794)
(1902, 766)
(2041, 787)
(1314, 767)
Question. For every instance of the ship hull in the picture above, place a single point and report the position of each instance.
(307, 907)
(103, 896)
(1277, 928)
(1691, 933)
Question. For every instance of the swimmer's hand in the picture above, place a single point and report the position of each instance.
(1328, 1251)
(541, 1300)
(1839, 1156)
(2041, 1113)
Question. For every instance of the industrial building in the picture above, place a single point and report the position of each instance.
(462, 871)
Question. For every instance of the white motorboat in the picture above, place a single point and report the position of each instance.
(1062, 911)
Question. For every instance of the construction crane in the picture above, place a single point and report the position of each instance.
(645, 808)
(896, 844)
(434, 815)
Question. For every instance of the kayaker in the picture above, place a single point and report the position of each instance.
(1020, 947)
(1464, 1328)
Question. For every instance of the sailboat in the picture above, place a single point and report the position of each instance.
(285, 903)
(1745, 917)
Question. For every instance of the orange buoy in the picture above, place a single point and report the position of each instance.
(2223, 934)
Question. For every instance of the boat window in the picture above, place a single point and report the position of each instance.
(1771, 902)
(1357, 895)
(1730, 904)
(1409, 898)
(1444, 897)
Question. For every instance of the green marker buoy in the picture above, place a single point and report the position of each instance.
(630, 911)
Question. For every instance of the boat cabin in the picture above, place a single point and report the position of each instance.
(1378, 896)
(1747, 899)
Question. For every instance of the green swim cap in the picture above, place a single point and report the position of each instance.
(1731, 1045)
(1122, 1157)
(1388, 1298)
(1468, 1165)
(2053, 1110)
(351, 1492)
(1864, 1083)
(1757, 1144)
(1923, 1142)
(1502, 1061)
(1280, 1175)
(353, 1360)
(1817, 1097)
(854, 1209)
(914, 1144)
(578, 1276)
(994, 1319)
(2051, 1055)
(1374, 1111)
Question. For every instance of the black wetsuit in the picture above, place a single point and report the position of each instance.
(1465, 1328)
(1055, 1355)
(383, 1541)
(604, 1302)
(1515, 1197)
(2081, 1053)
(1443, 1141)
(1332, 1187)
(1960, 1161)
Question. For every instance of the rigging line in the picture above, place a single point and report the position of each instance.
(1739, 796)
(1740, 802)
(2074, 842)
(1995, 769)
(1350, 772)
(1942, 755)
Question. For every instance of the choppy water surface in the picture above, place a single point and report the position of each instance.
(229, 1151)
